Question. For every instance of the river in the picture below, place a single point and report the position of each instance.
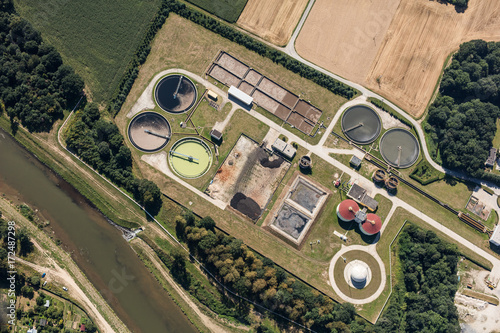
(97, 247)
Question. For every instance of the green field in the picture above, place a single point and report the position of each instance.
(97, 38)
(228, 10)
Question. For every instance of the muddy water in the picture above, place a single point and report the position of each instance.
(97, 247)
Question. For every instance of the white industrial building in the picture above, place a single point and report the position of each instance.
(495, 237)
(240, 95)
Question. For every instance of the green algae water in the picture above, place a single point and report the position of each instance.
(190, 157)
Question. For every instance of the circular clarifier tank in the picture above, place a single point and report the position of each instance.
(399, 148)
(361, 124)
(175, 93)
(190, 157)
(149, 131)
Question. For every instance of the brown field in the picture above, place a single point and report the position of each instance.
(402, 42)
(273, 20)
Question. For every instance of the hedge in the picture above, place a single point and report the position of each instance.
(227, 32)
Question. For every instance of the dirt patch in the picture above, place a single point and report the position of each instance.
(405, 56)
(246, 205)
(248, 178)
(221, 75)
(273, 20)
(266, 162)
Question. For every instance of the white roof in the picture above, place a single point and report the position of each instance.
(279, 145)
(495, 237)
(240, 95)
(289, 151)
(359, 273)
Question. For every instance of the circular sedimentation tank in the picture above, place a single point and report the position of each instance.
(361, 124)
(175, 93)
(190, 157)
(399, 148)
(149, 131)
(379, 175)
(305, 162)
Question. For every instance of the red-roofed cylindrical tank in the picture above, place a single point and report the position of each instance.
(372, 225)
(347, 209)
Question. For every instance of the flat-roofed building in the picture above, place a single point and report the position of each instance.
(495, 237)
(284, 148)
(212, 95)
(240, 95)
(492, 157)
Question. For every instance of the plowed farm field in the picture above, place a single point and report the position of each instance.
(273, 20)
(396, 48)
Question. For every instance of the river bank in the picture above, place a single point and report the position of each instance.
(80, 289)
(118, 253)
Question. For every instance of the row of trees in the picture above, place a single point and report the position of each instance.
(257, 278)
(100, 144)
(35, 85)
(423, 299)
(462, 119)
(225, 31)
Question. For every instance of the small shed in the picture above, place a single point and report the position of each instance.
(82, 328)
(492, 157)
(32, 330)
(355, 161)
(212, 95)
(216, 135)
(47, 303)
(43, 322)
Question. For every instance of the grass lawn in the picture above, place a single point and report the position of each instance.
(443, 216)
(333, 142)
(338, 274)
(496, 139)
(492, 219)
(97, 38)
(183, 44)
(228, 10)
(366, 169)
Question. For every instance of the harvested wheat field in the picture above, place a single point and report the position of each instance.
(406, 55)
(273, 20)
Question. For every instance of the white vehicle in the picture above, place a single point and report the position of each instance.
(65, 289)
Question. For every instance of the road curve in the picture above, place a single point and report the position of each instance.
(290, 50)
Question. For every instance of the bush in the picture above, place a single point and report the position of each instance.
(425, 174)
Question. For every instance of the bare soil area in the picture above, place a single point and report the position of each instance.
(396, 48)
(248, 178)
(273, 20)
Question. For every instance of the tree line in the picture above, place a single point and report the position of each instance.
(227, 32)
(254, 277)
(423, 298)
(35, 85)
(99, 143)
(462, 120)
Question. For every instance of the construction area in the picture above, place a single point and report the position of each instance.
(300, 206)
(265, 93)
(248, 178)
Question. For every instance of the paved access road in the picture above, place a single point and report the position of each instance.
(290, 50)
